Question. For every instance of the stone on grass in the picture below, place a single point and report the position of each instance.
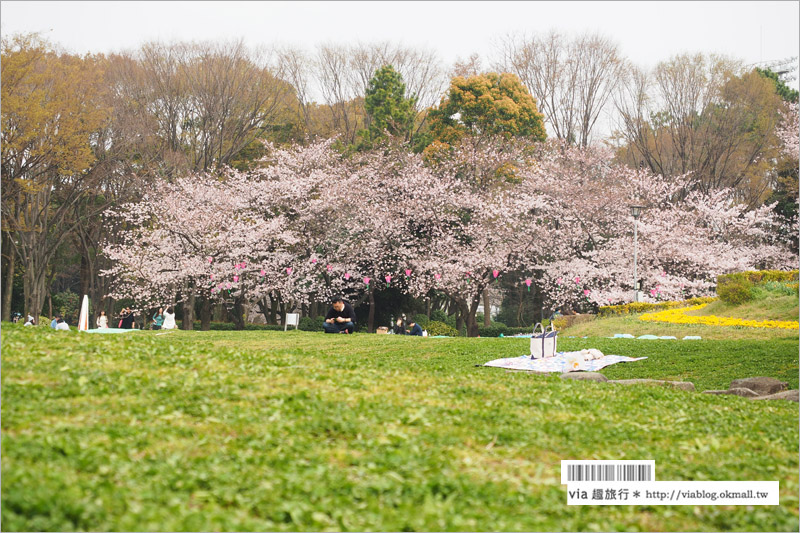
(584, 376)
(791, 395)
(762, 386)
(743, 392)
(682, 385)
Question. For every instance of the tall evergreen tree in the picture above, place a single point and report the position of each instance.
(388, 109)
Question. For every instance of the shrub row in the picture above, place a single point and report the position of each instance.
(759, 276)
(641, 307)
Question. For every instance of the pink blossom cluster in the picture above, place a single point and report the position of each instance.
(311, 223)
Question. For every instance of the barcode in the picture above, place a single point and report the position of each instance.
(576, 471)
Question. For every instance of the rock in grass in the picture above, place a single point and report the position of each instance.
(743, 392)
(737, 391)
(584, 376)
(791, 395)
(682, 385)
(762, 385)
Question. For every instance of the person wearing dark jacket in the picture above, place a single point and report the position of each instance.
(341, 317)
(415, 329)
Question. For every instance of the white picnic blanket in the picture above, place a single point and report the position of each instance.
(559, 363)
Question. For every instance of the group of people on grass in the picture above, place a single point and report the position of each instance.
(162, 319)
(341, 318)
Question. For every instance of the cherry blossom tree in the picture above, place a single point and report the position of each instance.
(310, 223)
(684, 242)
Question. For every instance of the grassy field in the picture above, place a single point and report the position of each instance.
(303, 431)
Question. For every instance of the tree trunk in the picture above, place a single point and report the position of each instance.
(487, 308)
(8, 282)
(188, 308)
(469, 312)
(371, 320)
(238, 312)
(314, 309)
(459, 319)
(34, 287)
(205, 313)
(273, 310)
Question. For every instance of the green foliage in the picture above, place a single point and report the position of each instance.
(388, 109)
(438, 315)
(494, 330)
(269, 431)
(784, 91)
(440, 328)
(739, 287)
(311, 324)
(486, 104)
(735, 291)
(642, 307)
(760, 276)
(421, 319)
(67, 304)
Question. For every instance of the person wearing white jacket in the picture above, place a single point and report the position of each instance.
(169, 319)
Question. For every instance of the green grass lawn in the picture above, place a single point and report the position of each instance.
(303, 431)
(773, 308)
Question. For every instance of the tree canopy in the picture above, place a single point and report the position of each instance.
(486, 104)
(388, 109)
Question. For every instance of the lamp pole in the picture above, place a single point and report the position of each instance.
(636, 210)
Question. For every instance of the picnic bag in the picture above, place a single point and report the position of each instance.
(543, 343)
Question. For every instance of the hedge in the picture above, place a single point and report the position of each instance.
(759, 276)
(641, 307)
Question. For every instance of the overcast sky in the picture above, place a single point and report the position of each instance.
(647, 32)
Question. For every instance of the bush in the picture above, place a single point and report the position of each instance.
(735, 291)
(438, 315)
(440, 328)
(641, 307)
(67, 304)
(759, 276)
(311, 324)
(422, 320)
(493, 331)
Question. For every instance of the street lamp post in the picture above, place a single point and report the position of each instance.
(636, 210)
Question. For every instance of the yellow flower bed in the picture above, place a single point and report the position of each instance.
(679, 316)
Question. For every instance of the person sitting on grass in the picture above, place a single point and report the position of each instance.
(158, 319)
(341, 317)
(415, 329)
(169, 319)
(62, 325)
